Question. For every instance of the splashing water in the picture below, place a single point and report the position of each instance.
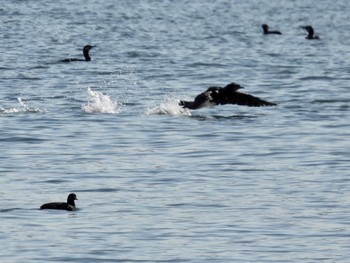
(22, 109)
(100, 103)
(170, 106)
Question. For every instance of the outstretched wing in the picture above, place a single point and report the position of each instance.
(244, 99)
(221, 96)
(202, 100)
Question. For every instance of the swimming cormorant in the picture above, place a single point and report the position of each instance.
(69, 206)
(87, 57)
(226, 95)
(311, 32)
(266, 30)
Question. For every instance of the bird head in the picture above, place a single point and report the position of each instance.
(88, 47)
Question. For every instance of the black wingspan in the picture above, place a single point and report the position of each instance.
(221, 96)
(240, 98)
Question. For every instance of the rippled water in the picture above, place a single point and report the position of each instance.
(158, 183)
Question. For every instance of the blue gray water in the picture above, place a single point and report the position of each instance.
(157, 183)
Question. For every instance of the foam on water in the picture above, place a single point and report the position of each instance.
(100, 103)
(170, 106)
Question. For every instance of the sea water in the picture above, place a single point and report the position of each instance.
(156, 182)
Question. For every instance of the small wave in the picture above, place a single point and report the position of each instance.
(24, 108)
(102, 190)
(317, 78)
(10, 209)
(169, 107)
(100, 103)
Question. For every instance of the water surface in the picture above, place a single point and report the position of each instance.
(155, 182)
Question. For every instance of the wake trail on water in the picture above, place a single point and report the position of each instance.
(23, 108)
(100, 103)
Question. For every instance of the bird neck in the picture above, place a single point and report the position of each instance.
(87, 57)
(71, 202)
(311, 33)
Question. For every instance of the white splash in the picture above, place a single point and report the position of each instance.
(23, 108)
(170, 106)
(100, 103)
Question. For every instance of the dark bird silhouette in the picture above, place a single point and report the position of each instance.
(311, 32)
(87, 57)
(226, 95)
(69, 206)
(267, 31)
